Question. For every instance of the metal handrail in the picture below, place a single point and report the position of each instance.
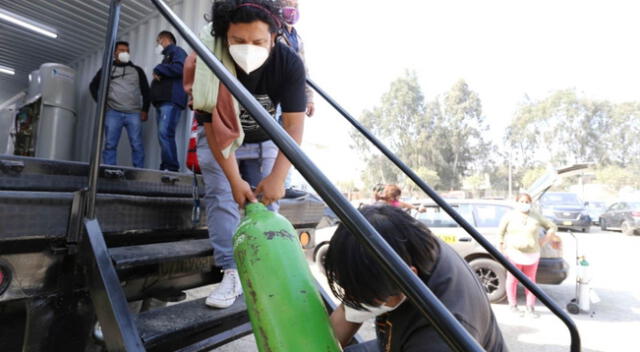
(443, 321)
(543, 297)
(105, 77)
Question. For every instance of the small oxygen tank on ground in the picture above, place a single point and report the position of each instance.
(286, 311)
(584, 291)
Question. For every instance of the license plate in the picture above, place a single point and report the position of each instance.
(448, 238)
(567, 223)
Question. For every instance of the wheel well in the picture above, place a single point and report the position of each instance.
(318, 246)
(475, 256)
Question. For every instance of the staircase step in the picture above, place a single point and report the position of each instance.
(176, 326)
(149, 254)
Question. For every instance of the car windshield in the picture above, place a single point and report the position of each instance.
(561, 199)
(434, 216)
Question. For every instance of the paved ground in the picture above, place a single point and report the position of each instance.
(611, 325)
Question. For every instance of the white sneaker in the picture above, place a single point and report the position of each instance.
(227, 290)
(97, 332)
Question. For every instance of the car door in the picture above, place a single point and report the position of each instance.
(487, 218)
(617, 215)
(607, 216)
(624, 214)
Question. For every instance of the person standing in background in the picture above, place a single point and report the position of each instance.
(520, 241)
(127, 106)
(290, 37)
(168, 97)
(391, 196)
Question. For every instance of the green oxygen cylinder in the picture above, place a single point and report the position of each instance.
(286, 311)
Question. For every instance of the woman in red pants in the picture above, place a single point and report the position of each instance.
(520, 241)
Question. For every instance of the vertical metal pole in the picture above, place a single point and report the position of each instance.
(98, 134)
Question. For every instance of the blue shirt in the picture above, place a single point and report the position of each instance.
(292, 37)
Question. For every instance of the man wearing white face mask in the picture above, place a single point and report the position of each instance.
(366, 291)
(127, 105)
(235, 154)
(519, 234)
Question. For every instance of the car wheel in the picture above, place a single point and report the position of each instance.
(603, 225)
(492, 276)
(319, 256)
(627, 229)
(586, 229)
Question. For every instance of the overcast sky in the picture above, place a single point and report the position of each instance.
(502, 49)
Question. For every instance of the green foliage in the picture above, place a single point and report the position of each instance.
(441, 140)
(617, 177)
(531, 175)
(461, 128)
(427, 175)
(564, 129)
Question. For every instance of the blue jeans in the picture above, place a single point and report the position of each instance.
(113, 123)
(168, 116)
(223, 215)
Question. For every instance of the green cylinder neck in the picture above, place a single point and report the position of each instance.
(254, 208)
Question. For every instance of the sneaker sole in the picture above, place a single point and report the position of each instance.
(226, 303)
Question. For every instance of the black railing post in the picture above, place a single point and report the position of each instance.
(443, 321)
(105, 77)
(573, 330)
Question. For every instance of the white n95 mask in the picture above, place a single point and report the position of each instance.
(359, 316)
(158, 49)
(249, 57)
(124, 57)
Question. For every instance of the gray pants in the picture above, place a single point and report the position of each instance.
(255, 161)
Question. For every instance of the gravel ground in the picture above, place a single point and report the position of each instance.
(611, 325)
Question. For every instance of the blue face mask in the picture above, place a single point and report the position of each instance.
(523, 207)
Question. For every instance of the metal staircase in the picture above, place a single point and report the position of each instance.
(190, 326)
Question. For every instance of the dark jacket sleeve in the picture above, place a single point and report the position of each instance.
(174, 68)
(94, 85)
(144, 89)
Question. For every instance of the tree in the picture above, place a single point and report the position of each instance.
(564, 128)
(444, 136)
(530, 176)
(622, 139)
(399, 122)
(616, 177)
(427, 175)
(460, 129)
(475, 183)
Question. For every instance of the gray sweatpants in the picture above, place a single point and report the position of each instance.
(255, 161)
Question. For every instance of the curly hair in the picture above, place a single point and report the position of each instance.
(226, 12)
